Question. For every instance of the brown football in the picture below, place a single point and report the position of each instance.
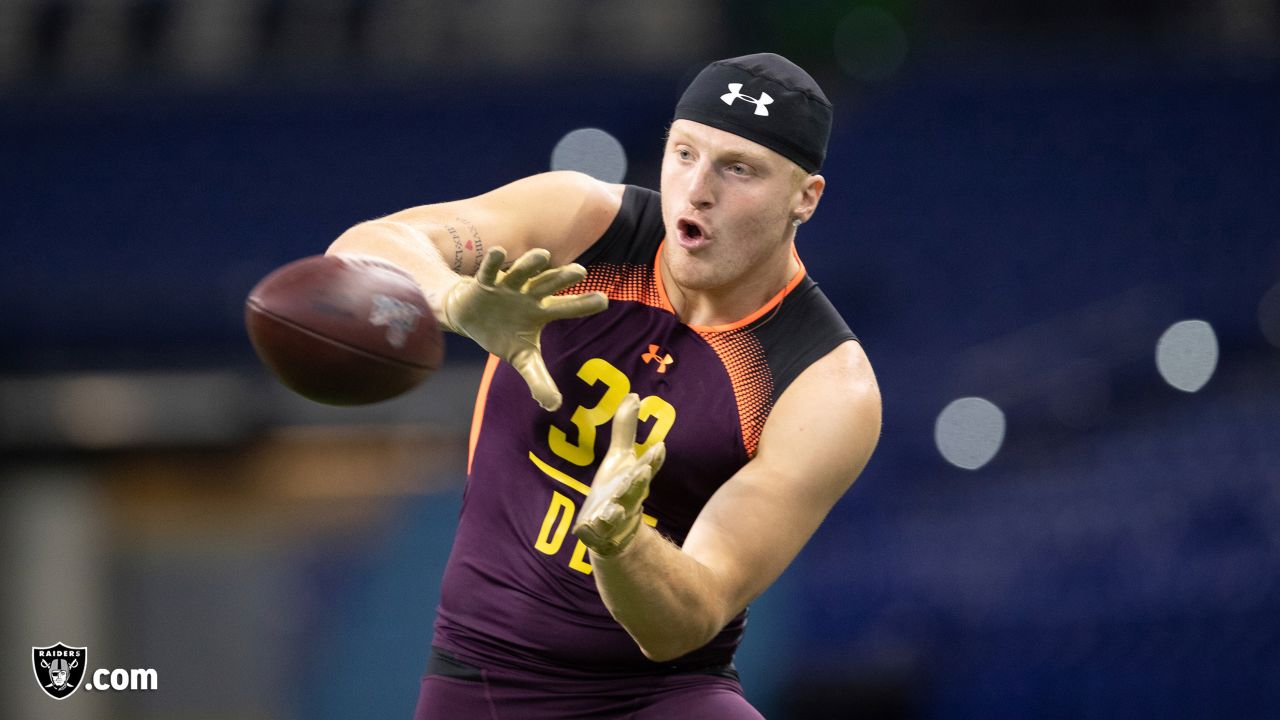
(344, 330)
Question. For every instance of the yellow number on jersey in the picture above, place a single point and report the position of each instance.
(587, 420)
(583, 452)
(665, 415)
(555, 524)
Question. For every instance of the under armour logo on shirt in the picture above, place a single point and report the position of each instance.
(735, 93)
(663, 360)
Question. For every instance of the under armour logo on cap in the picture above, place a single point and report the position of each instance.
(791, 116)
(735, 93)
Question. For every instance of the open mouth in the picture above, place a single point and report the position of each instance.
(690, 231)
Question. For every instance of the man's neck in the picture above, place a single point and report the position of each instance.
(730, 304)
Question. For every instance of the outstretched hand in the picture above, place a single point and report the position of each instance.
(611, 514)
(504, 312)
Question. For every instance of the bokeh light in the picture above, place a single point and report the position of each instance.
(99, 411)
(591, 151)
(870, 44)
(969, 432)
(1187, 354)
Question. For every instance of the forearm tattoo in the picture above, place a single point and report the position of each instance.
(457, 248)
(476, 244)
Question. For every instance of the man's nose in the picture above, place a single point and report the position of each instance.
(702, 186)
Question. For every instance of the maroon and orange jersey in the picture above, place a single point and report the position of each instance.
(518, 591)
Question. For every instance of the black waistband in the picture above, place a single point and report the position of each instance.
(445, 664)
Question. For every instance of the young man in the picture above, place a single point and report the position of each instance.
(694, 336)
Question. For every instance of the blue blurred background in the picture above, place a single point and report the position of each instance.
(1026, 204)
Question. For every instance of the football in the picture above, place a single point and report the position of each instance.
(344, 330)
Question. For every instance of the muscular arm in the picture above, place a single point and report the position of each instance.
(544, 219)
(563, 212)
(819, 437)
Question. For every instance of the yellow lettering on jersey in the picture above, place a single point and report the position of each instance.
(579, 560)
(558, 476)
(562, 509)
(583, 452)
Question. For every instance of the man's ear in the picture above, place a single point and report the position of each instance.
(811, 190)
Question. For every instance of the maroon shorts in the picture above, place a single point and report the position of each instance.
(452, 689)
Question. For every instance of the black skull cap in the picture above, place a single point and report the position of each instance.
(764, 98)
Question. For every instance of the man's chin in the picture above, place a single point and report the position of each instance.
(688, 271)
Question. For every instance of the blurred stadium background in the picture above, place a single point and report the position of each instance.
(1054, 225)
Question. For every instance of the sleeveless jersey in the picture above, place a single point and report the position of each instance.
(517, 591)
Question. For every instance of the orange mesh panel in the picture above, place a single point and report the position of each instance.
(743, 356)
(620, 282)
(739, 351)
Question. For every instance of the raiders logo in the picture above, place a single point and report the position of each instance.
(398, 316)
(59, 668)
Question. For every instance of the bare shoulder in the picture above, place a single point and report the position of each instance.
(582, 184)
(847, 366)
(843, 379)
(561, 187)
(563, 212)
(817, 440)
(830, 415)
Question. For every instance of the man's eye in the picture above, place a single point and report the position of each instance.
(684, 154)
(738, 169)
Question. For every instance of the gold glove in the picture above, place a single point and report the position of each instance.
(504, 312)
(611, 514)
